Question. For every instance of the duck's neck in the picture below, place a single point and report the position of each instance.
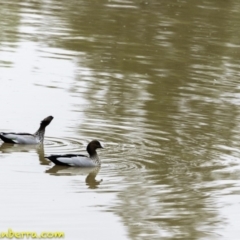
(40, 134)
(96, 159)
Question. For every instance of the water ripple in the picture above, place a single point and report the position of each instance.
(64, 145)
(116, 156)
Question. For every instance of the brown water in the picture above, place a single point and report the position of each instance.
(157, 82)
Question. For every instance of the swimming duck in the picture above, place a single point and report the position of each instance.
(78, 160)
(27, 138)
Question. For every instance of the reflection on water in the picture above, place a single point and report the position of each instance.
(90, 173)
(8, 148)
(157, 82)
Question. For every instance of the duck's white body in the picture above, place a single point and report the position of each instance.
(27, 138)
(20, 138)
(74, 160)
(77, 160)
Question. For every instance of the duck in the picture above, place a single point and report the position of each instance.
(27, 138)
(79, 160)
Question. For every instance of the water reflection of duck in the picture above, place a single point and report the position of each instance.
(78, 160)
(27, 138)
(69, 171)
(12, 148)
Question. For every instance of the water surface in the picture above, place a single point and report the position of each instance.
(157, 83)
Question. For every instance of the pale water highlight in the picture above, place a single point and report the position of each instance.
(157, 82)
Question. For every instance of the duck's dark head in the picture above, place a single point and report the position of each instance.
(92, 146)
(46, 121)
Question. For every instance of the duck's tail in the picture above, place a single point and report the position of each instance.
(4, 138)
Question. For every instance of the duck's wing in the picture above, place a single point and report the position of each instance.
(71, 160)
(19, 138)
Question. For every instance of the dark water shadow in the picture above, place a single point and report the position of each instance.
(8, 148)
(70, 171)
